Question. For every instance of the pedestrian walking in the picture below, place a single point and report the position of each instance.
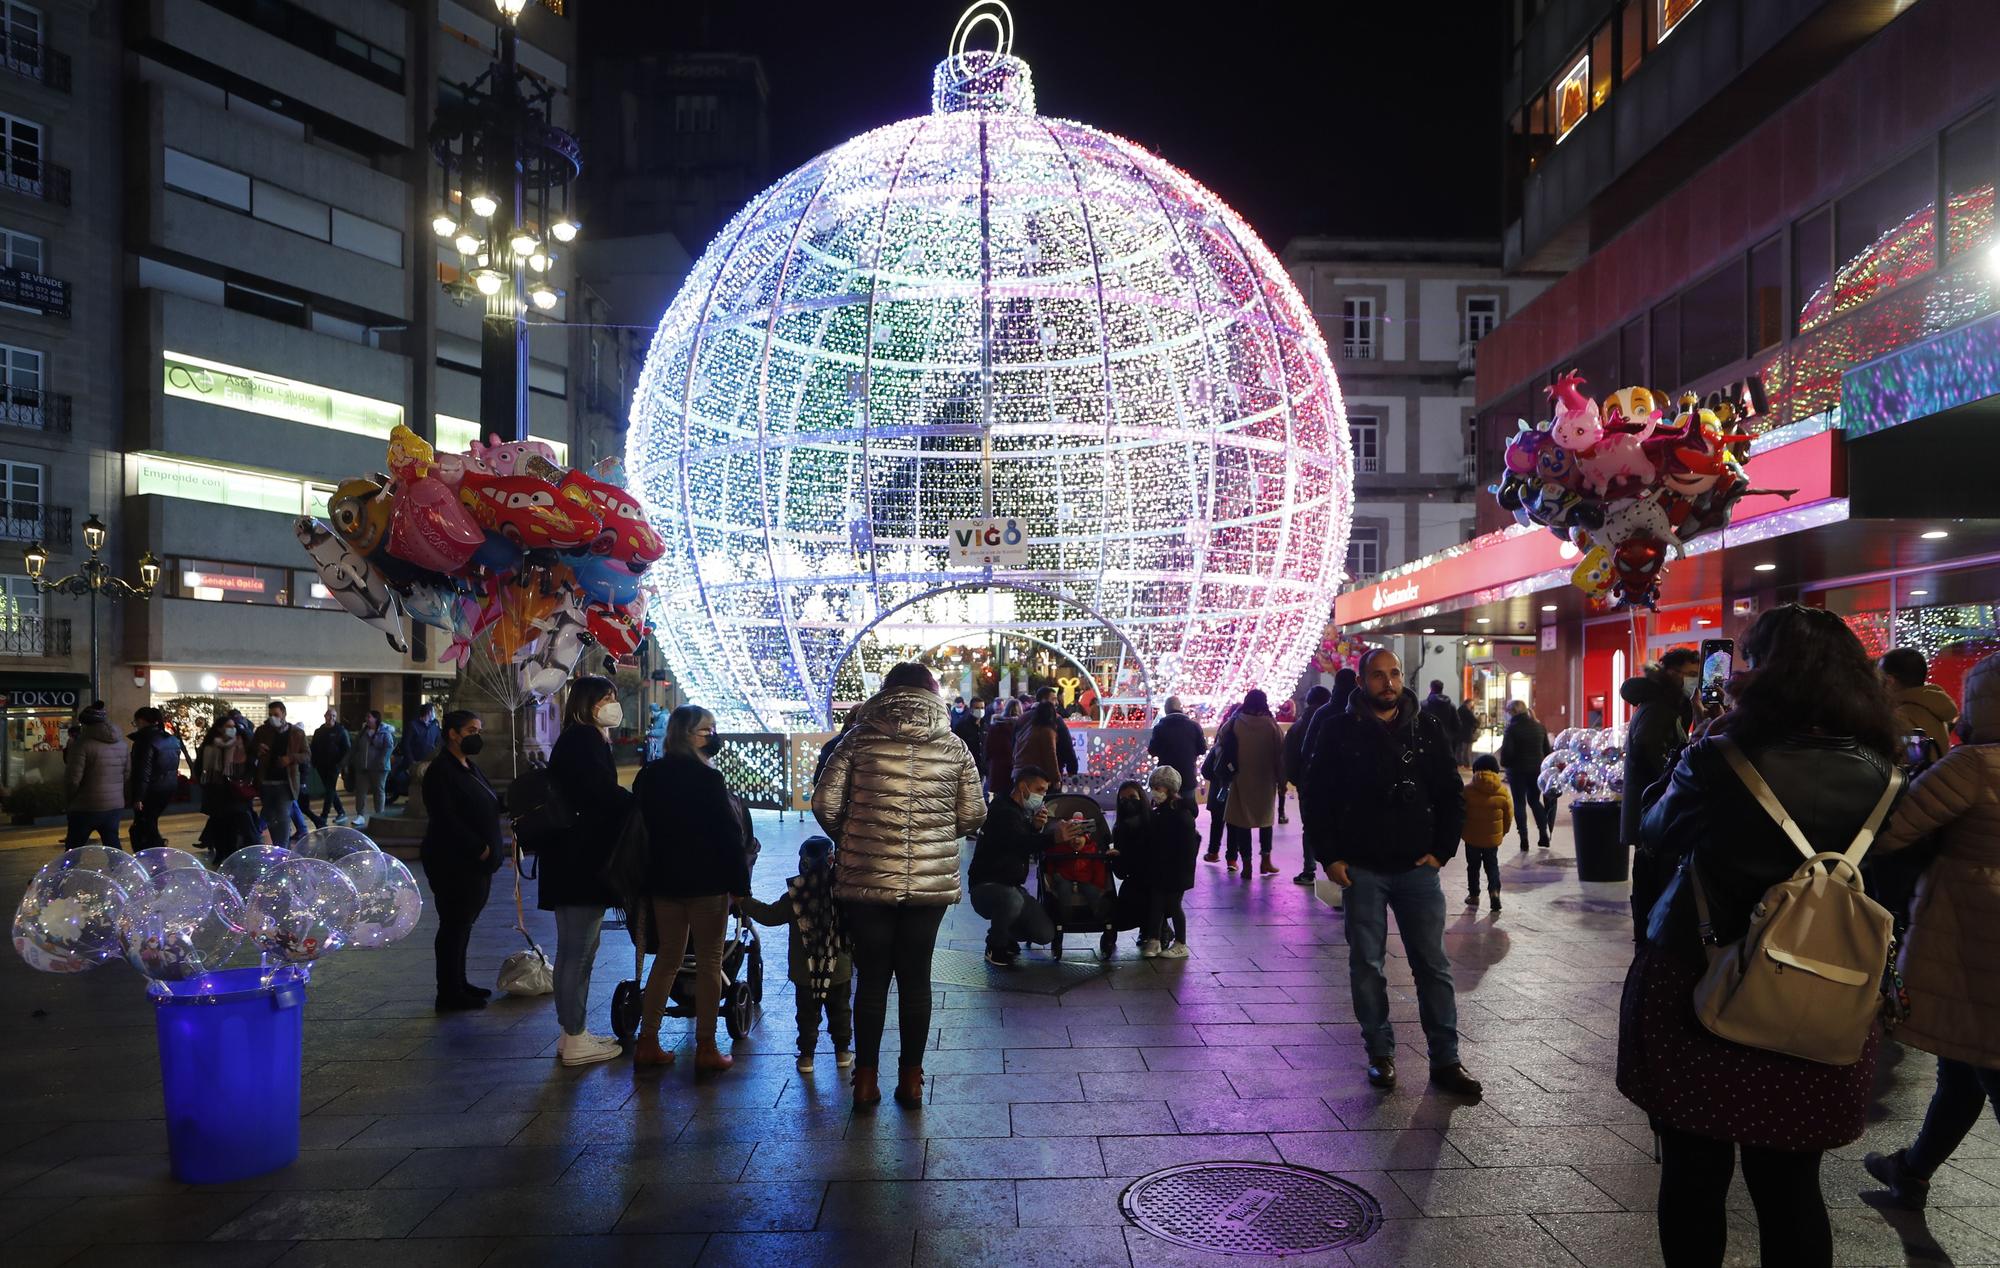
(1922, 707)
(374, 749)
(461, 850)
(697, 860)
(1217, 774)
(222, 768)
(1523, 747)
(1385, 790)
(1178, 741)
(899, 795)
(329, 749)
(818, 960)
(155, 775)
(585, 775)
(1013, 836)
(1488, 807)
(1295, 770)
(1438, 707)
(1950, 947)
(1468, 731)
(1813, 720)
(280, 753)
(95, 766)
(1254, 750)
(999, 743)
(970, 727)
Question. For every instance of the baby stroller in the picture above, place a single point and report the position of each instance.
(1074, 878)
(742, 975)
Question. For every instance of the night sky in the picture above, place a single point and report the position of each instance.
(1348, 117)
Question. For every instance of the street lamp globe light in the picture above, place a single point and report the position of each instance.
(483, 205)
(94, 533)
(38, 559)
(510, 9)
(443, 225)
(524, 243)
(149, 570)
(564, 230)
(488, 280)
(544, 296)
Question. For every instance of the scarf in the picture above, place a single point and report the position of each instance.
(818, 927)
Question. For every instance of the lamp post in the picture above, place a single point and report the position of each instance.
(504, 208)
(92, 579)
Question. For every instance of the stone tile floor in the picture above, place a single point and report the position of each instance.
(446, 1141)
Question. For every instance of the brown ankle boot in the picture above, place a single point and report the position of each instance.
(910, 1085)
(866, 1092)
(707, 1057)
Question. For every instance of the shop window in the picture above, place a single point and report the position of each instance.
(308, 591)
(1668, 14)
(1631, 37)
(1364, 552)
(1767, 295)
(1884, 231)
(1365, 431)
(1812, 267)
(1712, 325)
(216, 582)
(1572, 97)
(1357, 328)
(1667, 345)
(1482, 314)
(1601, 63)
(1969, 173)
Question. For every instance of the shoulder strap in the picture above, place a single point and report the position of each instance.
(1773, 807)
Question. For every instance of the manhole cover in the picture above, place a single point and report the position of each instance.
(1252, 1208)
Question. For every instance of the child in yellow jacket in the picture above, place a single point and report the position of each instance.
(1489, 808)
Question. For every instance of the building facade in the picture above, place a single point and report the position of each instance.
(1799, 194)
(248, 259)
(1404, 321)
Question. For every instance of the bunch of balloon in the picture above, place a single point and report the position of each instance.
(523, 562)
(1628, 482)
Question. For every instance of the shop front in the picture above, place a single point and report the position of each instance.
(38, 709)
(192, 695)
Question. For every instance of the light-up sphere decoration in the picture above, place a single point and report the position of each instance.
(979, 311)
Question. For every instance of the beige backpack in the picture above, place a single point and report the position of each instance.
(1806, 979)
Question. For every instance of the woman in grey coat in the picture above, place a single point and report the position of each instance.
(898, 796)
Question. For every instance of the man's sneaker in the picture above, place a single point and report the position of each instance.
(359, 821)
(1472, 900)
(587, 1049)
(1905, 1186)
(999, 959)
(1232, 862)
(340, 818)
(1524, 845)
(1382, 1073)
(1213, 857)
(1178, 951)
(805, 1063)
(1454, 1081)
(1303, 878)
(1149, 949)
(843, 1057)
(1543, 844)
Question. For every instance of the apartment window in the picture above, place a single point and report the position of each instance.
(21, 384)
(1631, 38)
(22, 26)
(1365, 431)
(1364, 552)
(1812, 268)
(248, 299)
(21, 485)
(21, 153)
(1572, 97)
(1601, 63)
(1969, 176)
(21, 630)
(316, 35)
(1767, 295)
(696, 112)
(1357, 328)
(1668, 14)
(1482, 314)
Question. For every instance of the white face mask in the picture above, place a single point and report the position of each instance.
(1688, 685)
(609, 713)
(1160, 796)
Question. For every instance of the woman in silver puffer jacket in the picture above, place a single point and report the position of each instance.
(898, 796)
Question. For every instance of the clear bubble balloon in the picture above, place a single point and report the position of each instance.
(368, 869)
(129, 874)
(1612, 773)
(1553, 766)
(303, 909)
(162, 859)
(68, 919)
(189, 924)
(247, 866)
(388, 909)
(1566, 740)
(332, 843)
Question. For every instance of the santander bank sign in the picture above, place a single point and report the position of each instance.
(1394, 596)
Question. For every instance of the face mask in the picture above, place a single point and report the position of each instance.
(1130, 806)
(609, 713)
(273, 719)
(1033, 803)
(1687, 687)
(471, 744)
(1159, 796)
(711, 746)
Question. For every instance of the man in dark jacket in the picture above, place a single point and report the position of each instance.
(1295, 768)
(1439, 707)
(330, 746)
(1664, 698)
(970, 726)
(1386, 807)
(1010, 839)
(155, 776)
(1178, 741)
(1522, 747)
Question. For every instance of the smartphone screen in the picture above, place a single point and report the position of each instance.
(1718, 661)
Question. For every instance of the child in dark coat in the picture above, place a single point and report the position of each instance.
(1166, 844)
(819, 960)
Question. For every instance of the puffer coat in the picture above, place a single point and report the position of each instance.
(899, 795)
(1489, 808)
(1954, 938)
(96, 764)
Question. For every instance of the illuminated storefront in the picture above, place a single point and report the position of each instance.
(37, 710)
(306, 695)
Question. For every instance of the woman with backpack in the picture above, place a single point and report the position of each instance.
(585, 776)
(1949, 950)
(1813, 727)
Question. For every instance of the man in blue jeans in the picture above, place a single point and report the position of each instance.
(1385, 812)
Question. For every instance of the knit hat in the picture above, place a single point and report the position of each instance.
(1981, 707)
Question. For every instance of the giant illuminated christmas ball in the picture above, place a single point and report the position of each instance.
(982, 314)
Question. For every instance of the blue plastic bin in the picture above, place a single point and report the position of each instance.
(229, 1059)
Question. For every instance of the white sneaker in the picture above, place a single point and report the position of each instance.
(340, 818)
(359, 821)
(843, 1058)
(805, 1063)
(1149, 949)
(586, 1049)
(1178, 951)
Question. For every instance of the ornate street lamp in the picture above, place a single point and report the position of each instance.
(92, 579)
(504, 198)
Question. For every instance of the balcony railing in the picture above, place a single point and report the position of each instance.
(34, 522)
(41, 411)
(35, 291)
(1468, 356)
(22, 635)
(1357, 349)
(29, 58)
(37, 179)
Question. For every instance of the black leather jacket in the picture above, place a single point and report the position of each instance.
(1828, 784)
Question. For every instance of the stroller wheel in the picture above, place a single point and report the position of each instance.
(738, 1011)
(1055, 946)
(626, 1002)
(757, 972)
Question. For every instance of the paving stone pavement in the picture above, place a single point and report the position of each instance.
(459, 1140)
